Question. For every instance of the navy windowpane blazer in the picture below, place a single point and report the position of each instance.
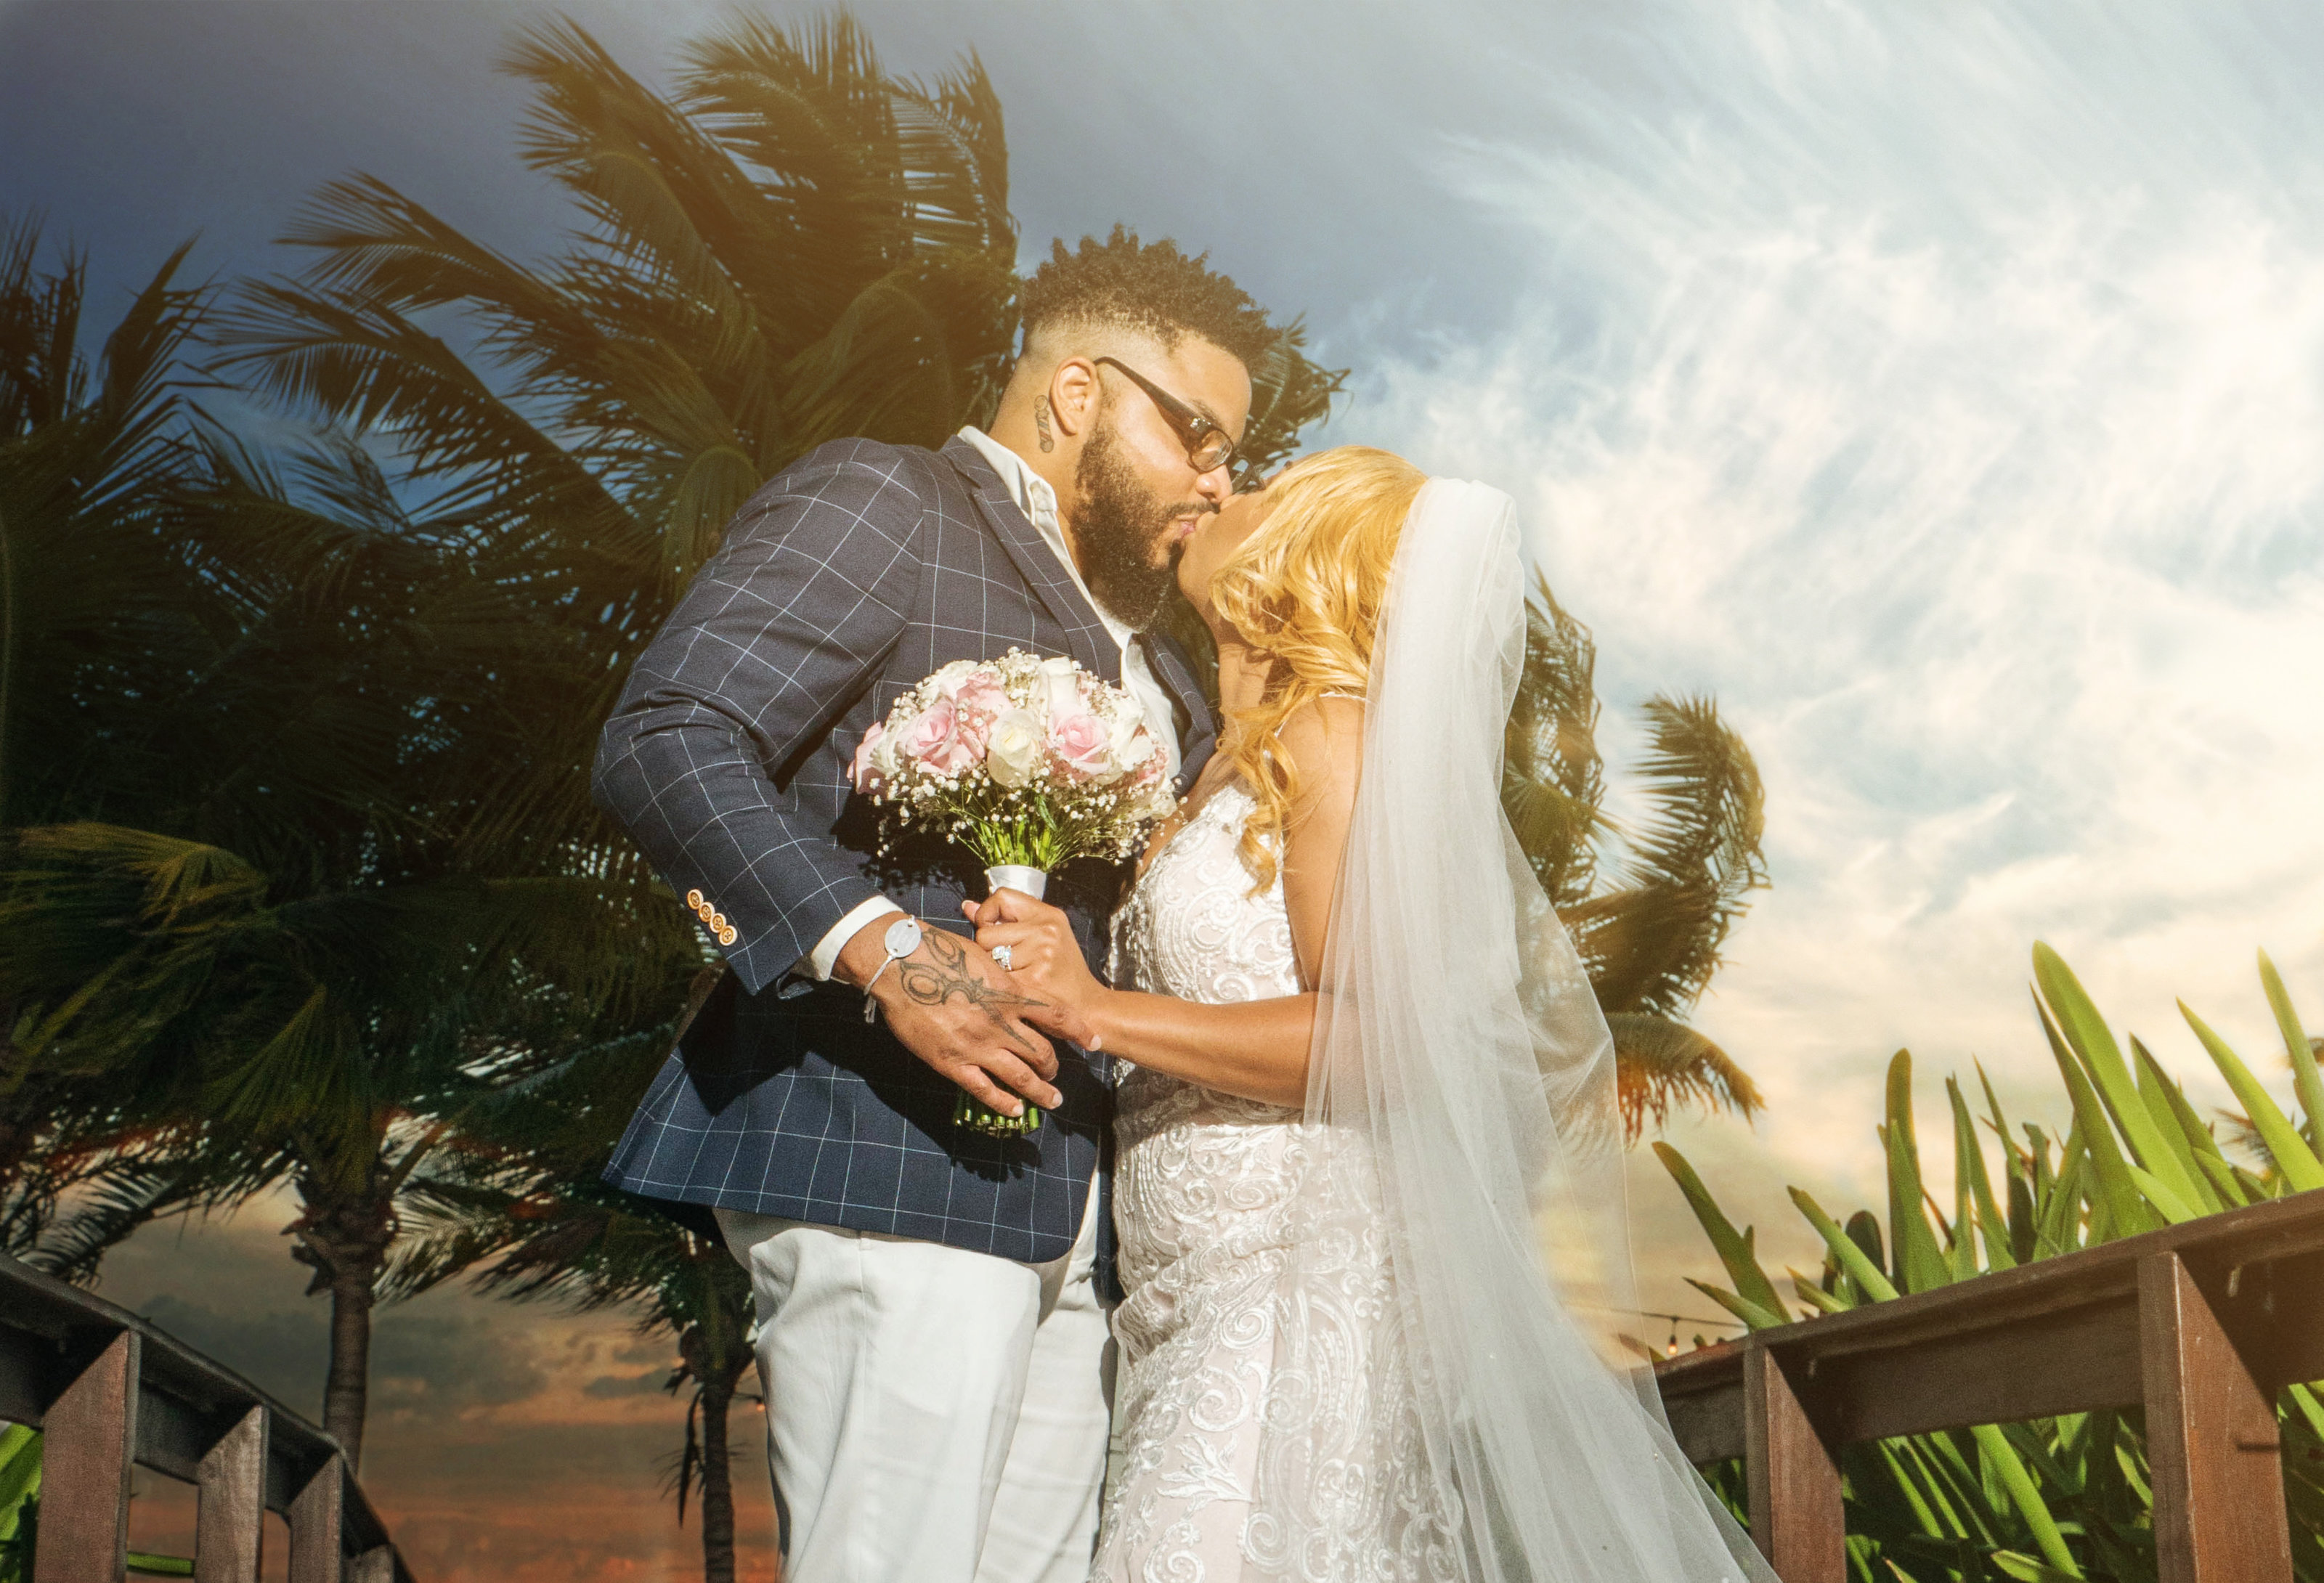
(840, 585)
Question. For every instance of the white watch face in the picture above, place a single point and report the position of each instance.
(903, 936)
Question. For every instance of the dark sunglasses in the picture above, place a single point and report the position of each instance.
(1207, 445)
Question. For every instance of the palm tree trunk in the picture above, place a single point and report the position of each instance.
(717, 1481)
(345, 1238)
(17, 1132)
(347, 1391)
(7, 657)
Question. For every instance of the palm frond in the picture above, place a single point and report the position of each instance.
(1659, 1064)
(1652, 944)
(1553, 782)
(1288, 392)
(128, 1190)
(99, 611)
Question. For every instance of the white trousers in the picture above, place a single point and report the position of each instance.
(933, 1416)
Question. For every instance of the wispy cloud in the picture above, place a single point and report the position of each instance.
(1948, 397)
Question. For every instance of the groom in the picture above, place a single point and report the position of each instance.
(931, 1338)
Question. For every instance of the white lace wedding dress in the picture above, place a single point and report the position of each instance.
(1227, 1412)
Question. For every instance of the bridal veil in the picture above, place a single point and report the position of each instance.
(1448, 1403)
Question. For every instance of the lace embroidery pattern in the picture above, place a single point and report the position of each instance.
(1259, 1363)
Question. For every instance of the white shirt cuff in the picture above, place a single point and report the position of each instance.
(825, 954)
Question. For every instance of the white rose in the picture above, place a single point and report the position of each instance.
(1061, 687)
(1132, 743)
(949, 677)
(1013, 748)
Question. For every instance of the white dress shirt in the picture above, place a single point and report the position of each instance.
(1038, 501)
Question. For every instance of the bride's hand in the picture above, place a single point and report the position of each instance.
(1045, 959)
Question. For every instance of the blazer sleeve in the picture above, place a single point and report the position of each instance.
(777, 634)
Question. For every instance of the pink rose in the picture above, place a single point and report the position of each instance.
(969, 733)
(982, 697)
(1081, 740)
(933, 738)
(866, 771)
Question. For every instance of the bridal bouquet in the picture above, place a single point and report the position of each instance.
(1028, 763)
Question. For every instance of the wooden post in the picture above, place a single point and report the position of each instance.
(315, 1513)
(230, 1510)
(1796, 1518)
(88, 1439)
(2211, 1441)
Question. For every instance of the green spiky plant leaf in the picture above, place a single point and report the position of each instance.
(2066, 1497)
(2093, 1043)
(2299, 1049)
(2290, 1151)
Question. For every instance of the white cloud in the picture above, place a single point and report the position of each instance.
(1949, 399)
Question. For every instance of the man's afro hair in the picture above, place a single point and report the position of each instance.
(1156, 290)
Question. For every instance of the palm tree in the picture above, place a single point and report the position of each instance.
(98, 602)
(573, 1240)
(104, 621)
(342, 1030)
(313, 927)
(522, 1212)
(1650, 935)
(795, 247)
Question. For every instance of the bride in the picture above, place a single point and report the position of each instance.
(1367, 1178)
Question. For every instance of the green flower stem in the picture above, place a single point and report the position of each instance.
(976, 1115)
(1021, 842)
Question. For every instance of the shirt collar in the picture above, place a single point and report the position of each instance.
(1038, 501)
(1028, 489)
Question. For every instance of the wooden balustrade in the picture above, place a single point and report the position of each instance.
(108, 1389)
(2199, 1324)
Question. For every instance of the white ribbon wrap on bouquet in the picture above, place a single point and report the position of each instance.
(1017, 877)
(1032, 881)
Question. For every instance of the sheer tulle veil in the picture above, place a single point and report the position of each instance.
(1464, 1259)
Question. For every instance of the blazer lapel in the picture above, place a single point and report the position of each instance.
(1037, 563)
(1175, 671)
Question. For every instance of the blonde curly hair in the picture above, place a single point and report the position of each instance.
(1304, 591)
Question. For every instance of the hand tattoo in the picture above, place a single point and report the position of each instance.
(949, 977)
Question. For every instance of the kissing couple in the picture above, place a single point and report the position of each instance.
(1315, 1266)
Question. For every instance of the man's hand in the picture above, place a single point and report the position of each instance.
(954, 1008)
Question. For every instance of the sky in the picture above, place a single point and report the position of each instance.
(1940, 388)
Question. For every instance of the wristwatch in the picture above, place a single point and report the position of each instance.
(902, 939)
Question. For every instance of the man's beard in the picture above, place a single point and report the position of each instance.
(1119, 524)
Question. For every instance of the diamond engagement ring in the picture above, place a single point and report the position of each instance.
(1004, 955)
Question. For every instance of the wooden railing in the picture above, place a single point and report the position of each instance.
(2199, 1324)
(108, 1389)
